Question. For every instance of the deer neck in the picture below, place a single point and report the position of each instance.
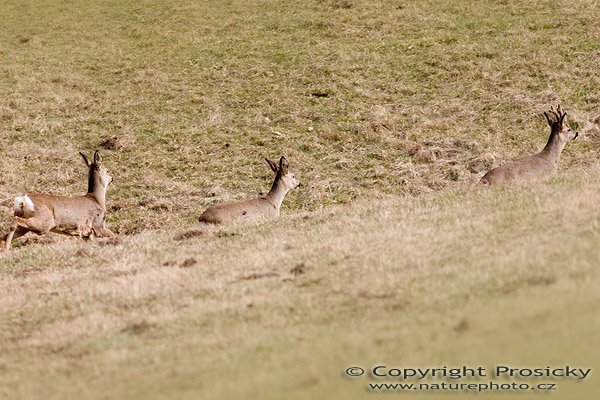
(554, 147)
(96, 189)
(277, 192)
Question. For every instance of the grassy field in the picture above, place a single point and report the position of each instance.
(389, 112)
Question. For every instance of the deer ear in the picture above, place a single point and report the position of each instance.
(272, 164)
(85, 159)
(97, 158)
(283, 164)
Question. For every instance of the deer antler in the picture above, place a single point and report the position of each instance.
(550, 122)
(559, 116)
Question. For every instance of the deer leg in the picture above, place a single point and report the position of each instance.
(70, 229)
(15, 232)
(40, 227)
(101, 233)
(100, 230)
(107, 233)
(9, 237)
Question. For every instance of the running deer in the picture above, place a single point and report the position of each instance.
(261, 208)
(541, 165)
(82, 216)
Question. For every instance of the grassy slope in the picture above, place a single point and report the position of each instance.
(418, 96)
(467, 276)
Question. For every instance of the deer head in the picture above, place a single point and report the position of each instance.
(556, 120)
(283, 174)
(98, 176)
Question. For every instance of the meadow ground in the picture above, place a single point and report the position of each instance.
(388, 112)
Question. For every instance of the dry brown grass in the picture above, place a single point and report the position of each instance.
(424, 281)
(362, 97)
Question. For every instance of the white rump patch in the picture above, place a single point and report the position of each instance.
(24, 206)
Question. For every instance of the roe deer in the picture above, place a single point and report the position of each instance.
(261, 208)
(541, 165)
(82, 216)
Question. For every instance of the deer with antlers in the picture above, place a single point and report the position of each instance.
(541, 165)
(260, 208)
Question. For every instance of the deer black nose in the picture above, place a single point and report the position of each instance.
(576, 134)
